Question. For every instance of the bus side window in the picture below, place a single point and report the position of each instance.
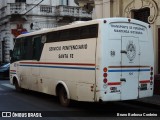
(93, 31)
(52, 36)
(90, 31)
(37, 48)
(64, 35)
(28, 48)
(16, 52)
(84, 32)
(74, 34)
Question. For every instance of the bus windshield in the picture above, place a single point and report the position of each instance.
(27, 49)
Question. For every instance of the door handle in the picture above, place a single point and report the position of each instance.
(123, 80)
(124, 51)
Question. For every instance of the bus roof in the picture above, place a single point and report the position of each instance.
(72, 25)
(82, 23)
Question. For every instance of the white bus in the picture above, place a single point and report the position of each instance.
(109, 59)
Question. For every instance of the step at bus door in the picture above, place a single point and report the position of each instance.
(129, 68)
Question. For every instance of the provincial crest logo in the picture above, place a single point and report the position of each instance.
(131, 51)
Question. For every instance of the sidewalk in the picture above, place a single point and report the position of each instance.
(154, 100)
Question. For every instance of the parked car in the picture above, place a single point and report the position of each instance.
(4, 71)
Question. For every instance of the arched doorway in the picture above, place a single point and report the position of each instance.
(141, 14)
(141, 8)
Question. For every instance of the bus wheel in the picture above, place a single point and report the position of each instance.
(64, 101)
(17, 86)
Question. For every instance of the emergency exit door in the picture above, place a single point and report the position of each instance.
(130, 60)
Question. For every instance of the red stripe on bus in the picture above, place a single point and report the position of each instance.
(12, 70)
(114, 83)
(144, 81)
(50, 63)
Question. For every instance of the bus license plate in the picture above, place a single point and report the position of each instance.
(143, 86)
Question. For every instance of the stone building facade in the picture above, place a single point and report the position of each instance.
(21, 16)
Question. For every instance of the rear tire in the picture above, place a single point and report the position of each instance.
(64, 101)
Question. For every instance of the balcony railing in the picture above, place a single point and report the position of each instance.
(43, 10)
(12, 8)
(22, 8)
(62, 11)
(17, 8)
(71, 11)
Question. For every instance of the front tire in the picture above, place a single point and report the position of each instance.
(64, 101)
(17, 87)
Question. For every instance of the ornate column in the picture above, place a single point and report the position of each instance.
(99, 8)
(107, 8)
(119, 8)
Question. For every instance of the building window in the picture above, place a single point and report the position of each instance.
(20, 1)
(142, 14)
(64, 2)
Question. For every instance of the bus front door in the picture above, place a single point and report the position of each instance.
(130, 58)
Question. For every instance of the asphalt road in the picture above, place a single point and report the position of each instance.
(49, 108)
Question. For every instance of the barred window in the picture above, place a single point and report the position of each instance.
(46, 9)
